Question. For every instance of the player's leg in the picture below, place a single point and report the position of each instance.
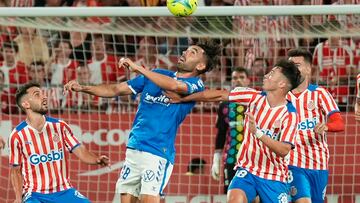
(271, 191)
(300, 190)
(318, 182)
(229, 174)
(69, 196)
(129, 182)
(242, 187)
(155, 176)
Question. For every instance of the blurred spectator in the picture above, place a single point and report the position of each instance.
(8, 103)
(332, 58)
(22, 3)
(340, 92)
(81, 102)
(147, 55)
(196, 167)
(103, 67)
(15, 72)
(55, 3)
(32, 47)
(257, 71)
(62, 68)
(38, 74)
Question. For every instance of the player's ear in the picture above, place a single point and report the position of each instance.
(200, 67)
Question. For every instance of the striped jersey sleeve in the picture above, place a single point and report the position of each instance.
(71, 142)
(242, 95)
(327, 102)
(15, 145)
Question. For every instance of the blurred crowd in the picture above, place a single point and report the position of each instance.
(52, 58)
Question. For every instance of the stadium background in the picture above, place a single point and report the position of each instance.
(103, 125)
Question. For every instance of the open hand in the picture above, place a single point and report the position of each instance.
(129, 64)
(73, 85)
(103, 161)
(320, 128)
(174, 97)
(252, 123)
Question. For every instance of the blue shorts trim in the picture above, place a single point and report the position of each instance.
(269, 191)
(69, 196)
(307, 183)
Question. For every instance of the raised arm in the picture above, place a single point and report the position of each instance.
(90, 158)
(163, 81)
(204, 96)
(280, 148)
(103, 90)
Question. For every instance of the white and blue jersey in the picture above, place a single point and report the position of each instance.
(157, 120)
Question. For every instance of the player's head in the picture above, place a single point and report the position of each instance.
(201, 58)
(31, 99)
(239, 77)
(302, 59)
(285, 76)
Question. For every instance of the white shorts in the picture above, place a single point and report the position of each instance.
(143, 173)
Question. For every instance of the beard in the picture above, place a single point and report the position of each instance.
(41, 110)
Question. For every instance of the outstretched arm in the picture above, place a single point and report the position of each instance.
(163, 81)
(104, 90)
(90, 158)
(204, 96)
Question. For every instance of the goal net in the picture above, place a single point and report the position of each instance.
(54, 45)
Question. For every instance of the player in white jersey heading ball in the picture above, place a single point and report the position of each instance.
(37, 146)
(270, 129)
(318, 114)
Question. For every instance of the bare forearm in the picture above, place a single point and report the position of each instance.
(107, 90)
(17, 182)
(164, 82)
(85, 156)
(208, 96)
(279, 148)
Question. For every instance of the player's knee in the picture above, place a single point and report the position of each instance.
(236, 196)
(149, 199)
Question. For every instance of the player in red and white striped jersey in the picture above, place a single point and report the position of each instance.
(318, 114)
(357, 103)
(37, 152)
(270, 129)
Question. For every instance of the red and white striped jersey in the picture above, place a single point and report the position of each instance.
(105, 71)
(358, 86)
(313, 105)
(41, 155)
(63, 73)
(279, 123)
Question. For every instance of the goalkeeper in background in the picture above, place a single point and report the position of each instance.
(230, 133)
(150, 153)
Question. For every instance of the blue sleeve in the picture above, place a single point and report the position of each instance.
(137, 84)
(194, 86)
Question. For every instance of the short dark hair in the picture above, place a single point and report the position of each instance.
(11, 45)
(212, 52)
(263, 60)
(37, 63)
(290, 71)
(241, 70)
(22, 91)
(308, 57)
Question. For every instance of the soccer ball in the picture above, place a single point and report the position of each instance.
(181, 7)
